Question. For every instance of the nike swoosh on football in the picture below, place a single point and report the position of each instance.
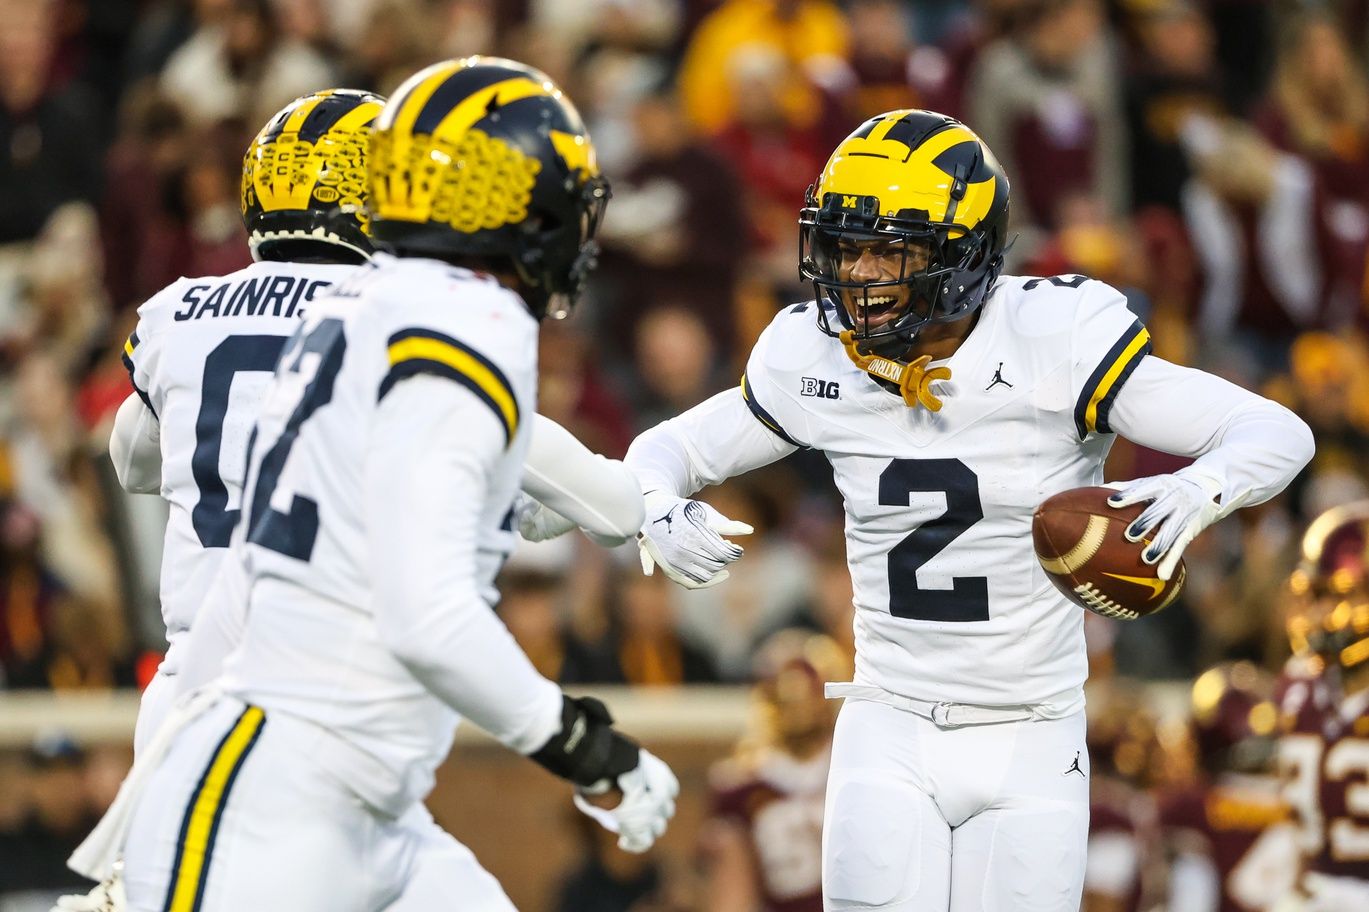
(1154, 585)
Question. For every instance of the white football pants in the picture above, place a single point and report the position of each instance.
(980, 818)
(238, 817)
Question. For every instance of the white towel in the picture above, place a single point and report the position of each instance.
(96, 856)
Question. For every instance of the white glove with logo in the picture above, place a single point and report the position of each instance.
(685, 539)
(1180, 507)
(649, 791)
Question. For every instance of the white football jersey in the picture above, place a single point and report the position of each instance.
(311, 646)
(201, 358)
(951, 603)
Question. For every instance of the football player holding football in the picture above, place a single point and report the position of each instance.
(377, 507)
(1324, 708)
(950, 401)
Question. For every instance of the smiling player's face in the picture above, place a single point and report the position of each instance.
(878, 260)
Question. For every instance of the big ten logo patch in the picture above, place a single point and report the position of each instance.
(820, 389)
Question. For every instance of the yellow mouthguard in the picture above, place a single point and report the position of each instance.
(913, 378)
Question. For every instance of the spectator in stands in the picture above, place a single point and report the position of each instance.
(1048, 101)
(1328, 383)
(1090, 242)
(395, 38)
(1250, 214)
(1245, 33)
(239, 67)
(647, 642)
(528, 606)
(1175, 77)
(882, 62)
(730, 620)
(676, 363)
(30, 600)
(805, 34)
(69, 311)
(1120, 736)
(1318, 108)
(54, 476)
(51, 137)
(831, 606)
(574, 391)
(776, 157)
(676, 229)
(606, 879)
(172, 204)
(942, 72)
(58, 817)
(151, 146)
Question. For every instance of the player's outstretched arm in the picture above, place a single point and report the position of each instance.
(566, 485)
(135, 447)
(433, 448)
(1247, 450)
(429, 461)
(713, 441)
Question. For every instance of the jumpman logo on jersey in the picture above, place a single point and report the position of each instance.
(1074, 767)
(667, 519)
(997, 379)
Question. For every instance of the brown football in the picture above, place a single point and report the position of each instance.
(1080, 544)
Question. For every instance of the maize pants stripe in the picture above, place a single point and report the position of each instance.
(195, 844)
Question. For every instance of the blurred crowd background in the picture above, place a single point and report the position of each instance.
(1208, 157)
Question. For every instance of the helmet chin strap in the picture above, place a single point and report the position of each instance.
(912, 378)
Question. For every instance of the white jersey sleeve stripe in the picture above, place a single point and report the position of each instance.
(1095, 401)
(421, 351)
(130, 347)
(765, 417)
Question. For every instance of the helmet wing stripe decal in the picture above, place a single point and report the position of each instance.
(406, 112)
(460, 87)
(464, 116)
(411, 97)
(281, 188)
(937, 143)
(332, 116)
(358, 117)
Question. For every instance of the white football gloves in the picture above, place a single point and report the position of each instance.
(685, 539)
(649, 791)
(105, 897)
(538, 522)
(1180, 507)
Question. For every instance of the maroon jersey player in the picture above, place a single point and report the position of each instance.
(1324, 755)
(1228, 834)
(763, 844)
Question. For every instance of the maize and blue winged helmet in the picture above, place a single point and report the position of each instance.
(916, 183)
(304, 179)
(486, 159)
